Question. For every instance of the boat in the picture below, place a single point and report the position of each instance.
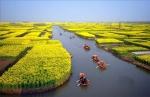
(86, 47)
(95, 58)
(83, 81)
(101, 64)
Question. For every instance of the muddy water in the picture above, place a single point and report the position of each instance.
(120, 79)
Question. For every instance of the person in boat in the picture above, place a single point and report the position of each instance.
(95, 58)
(83, 80)
(86, 47)
(101, 64)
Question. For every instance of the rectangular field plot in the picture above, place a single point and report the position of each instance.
(143, 58)
(11, 51)
(108, 41)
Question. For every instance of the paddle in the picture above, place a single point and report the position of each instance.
(78, 84)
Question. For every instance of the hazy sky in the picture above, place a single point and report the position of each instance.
(74, 10)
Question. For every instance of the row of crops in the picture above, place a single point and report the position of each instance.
(41, 61)
(27, 30)
(119, 38)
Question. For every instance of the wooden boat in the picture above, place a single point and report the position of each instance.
(95, 58)
(86, 47)
(101, 65)
(80, 82)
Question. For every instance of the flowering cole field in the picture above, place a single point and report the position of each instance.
(80, 26)
(143, 58)
(24, 29)
(33, 34)
(108, 41)
(28, 41)
(138, 42)
(110, 35)
(14, 41)
(15, 33)
(2, 33)
(46, 65)
(47, 34)
(85, 35)
(126, 49)
(83, 26)
(11, 51)
(43, 66)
